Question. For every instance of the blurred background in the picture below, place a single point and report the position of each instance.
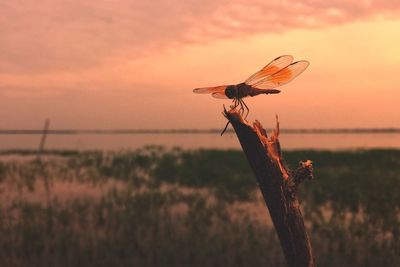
(107, 158)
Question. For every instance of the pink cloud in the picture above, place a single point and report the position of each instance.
(48, 35)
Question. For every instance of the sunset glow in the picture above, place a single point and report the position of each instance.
(131, 64)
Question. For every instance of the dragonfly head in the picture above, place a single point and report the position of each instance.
(230, 91)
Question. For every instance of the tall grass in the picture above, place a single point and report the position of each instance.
(156, 207)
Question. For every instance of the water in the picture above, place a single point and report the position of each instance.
(289, 141)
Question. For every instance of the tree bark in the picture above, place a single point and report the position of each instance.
(278, 186)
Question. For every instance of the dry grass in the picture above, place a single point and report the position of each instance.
(184, 208)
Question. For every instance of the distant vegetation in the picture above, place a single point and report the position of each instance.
(156, 207)
(194, 131)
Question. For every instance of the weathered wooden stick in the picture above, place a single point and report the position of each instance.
(44, 135)
(278, 186)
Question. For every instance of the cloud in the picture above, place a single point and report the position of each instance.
(243, 17)
(51, 36)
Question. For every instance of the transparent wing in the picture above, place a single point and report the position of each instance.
(283, 76)
(207, 90)
(273, 67)
(220, 95)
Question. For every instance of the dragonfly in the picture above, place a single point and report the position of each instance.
(278, 72)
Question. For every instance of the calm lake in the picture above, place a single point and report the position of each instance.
(289, 141)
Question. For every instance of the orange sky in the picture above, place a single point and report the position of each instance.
(131, 64)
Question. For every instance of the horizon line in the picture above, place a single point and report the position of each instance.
(194, 131)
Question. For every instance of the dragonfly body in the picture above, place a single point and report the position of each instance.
(242, 90)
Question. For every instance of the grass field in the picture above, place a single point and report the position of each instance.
(156, 207)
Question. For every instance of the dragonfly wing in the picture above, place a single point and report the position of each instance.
(208, 90)
(273, 67)
(283, 76)
(220, 95)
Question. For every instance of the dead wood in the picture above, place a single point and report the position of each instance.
(278, 186)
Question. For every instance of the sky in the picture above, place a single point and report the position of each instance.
(133, 64)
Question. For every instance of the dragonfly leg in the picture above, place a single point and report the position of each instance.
(238, 104)
(235, 103)
(241, 110)
(247, 109)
